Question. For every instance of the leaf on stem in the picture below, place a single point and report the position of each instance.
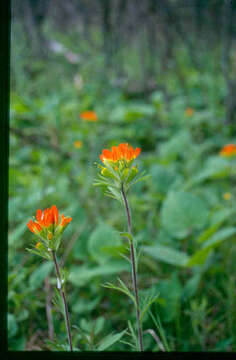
(110, 340)
(123, 288)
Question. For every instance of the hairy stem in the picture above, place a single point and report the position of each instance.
(134, 272)
(66, 313)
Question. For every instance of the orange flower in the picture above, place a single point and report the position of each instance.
(120, 152)
(34, 227)
(189, 111)
(89, 115)
(78, 144)
(227, 196)
(65, 220)
(228, 150)
(47, 218)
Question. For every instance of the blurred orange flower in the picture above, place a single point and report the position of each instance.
(228, 150)
(120, 152)
(78, 144)
(189, 111)
(49, 218)
(89, 115)
(227, 196)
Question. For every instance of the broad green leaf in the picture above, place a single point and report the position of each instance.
(171, 291)
(37, 277)
(16, 235)
(222, 215)
(83, 306)
(163, 178)
(99, 324)
(166, 254)
(220, 236)
(208, 233)
(176, 145)
(215, 167)
(182, 213)
(199, 257)
(80, 276)
(191, 285)
(110, 340)
(102, 237)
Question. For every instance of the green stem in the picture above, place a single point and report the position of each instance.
(66, 313)
(134, 272)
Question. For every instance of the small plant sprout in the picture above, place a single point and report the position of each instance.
(118, 174)
(48, 229)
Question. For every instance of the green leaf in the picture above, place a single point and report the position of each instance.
(160, 329)
(166, 254)
(133, 335)
(199, 257)
(37, 277)
(191, 285)
(127, 235)
(83, 306)
(99, 325)
(171, 291)
(163, 178)
(215, 167)
(103, 236)
(220, 236)
(182, 213)
(110, 340)
(208, 233)
(80, 276)
(123, 288)
(177, 145)
(146, 303)
(16, 234)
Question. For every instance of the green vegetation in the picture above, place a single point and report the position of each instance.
(184, 214)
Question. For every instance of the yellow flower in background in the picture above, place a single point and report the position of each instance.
(78, 144)
(227, 196)
(189, 111)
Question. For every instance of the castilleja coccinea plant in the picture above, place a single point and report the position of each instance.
(118, 174)
(118, 171)
(48, 228)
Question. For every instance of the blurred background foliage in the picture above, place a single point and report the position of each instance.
(159, 75)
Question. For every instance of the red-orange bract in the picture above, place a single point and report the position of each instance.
(46, 218)
(89, 115)
(120, 152)
(228, 150)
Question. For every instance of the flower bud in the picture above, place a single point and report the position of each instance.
(50, 235)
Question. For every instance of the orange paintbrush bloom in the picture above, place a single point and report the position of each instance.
(120, 152)
(189, 111)
(46, 219)
(34, 227)
(228, 150)
(89, 115)
(78, 144)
